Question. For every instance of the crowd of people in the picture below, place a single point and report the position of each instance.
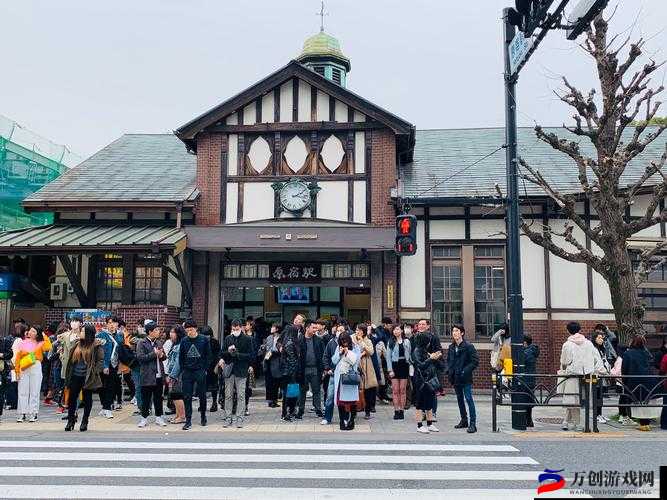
(344, 369)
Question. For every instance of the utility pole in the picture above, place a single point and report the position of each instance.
(529, 15)
(515, 297)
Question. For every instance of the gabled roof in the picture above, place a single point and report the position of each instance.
(146, 169)
(441, 155)
(293, 69)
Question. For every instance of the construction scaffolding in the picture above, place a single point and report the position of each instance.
(27, 162)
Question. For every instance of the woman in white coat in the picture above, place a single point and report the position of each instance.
(578, 357)
(346, 361)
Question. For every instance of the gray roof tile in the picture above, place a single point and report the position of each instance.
(135, 167)
(440, 154)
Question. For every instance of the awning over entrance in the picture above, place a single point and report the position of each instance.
(285, 237)
(68, 239)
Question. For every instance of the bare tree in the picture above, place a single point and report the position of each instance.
(625, 96)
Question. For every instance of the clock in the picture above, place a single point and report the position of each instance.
(296, 196)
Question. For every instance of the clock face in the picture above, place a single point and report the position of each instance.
(295, 196)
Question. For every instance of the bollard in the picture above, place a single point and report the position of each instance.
(494, 408)
(587, 410)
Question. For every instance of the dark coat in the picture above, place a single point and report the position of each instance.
(425, 368)
(462, 360)
(6, 350)
(318, 347)
(94, 366)
(211, 376)
(530, 355)
(147, 359)
(242, 357)
(289, 359)
(638, 361)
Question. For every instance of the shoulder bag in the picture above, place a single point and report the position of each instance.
(352, 377)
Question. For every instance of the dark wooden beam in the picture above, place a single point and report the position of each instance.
(258, 110)
(295, 100)
(284, 178)
(239, 204)
(466, 215)
(296, 127)
(185, 285)
(350, 200)
(313, 104)
(74, 279)
(276, 104)
(332, 109)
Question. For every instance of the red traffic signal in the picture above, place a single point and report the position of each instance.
(406, 235)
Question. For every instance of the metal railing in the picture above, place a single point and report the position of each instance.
(642, 395)
(536, 390)
(547, 390)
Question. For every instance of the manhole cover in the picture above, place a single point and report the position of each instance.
(549, 420)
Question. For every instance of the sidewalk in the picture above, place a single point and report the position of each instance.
(264, 419)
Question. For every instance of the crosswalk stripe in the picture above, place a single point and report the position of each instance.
(394, 474)
(267, 458)
(256, 446)
(188, 492)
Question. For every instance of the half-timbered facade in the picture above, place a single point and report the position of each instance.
(282, 199)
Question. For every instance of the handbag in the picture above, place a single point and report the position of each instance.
(352, 377)
(127, 356)
(293, 390)
(227, 370)
(434, 383)
(27, 361)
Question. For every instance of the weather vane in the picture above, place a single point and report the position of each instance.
(321, 13)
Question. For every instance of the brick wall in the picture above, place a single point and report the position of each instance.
(199, 295)
(550, 344)
(383, 177)
(209, 169)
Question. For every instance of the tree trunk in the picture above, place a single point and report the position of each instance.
(628, 309)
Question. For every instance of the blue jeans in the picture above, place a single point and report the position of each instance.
(465, 392)
(329, 403)
(137, 384)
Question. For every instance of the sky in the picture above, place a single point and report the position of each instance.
(82, 73)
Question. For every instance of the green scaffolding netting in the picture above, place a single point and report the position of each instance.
(27, 162)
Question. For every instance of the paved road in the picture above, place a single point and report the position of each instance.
(283, 466)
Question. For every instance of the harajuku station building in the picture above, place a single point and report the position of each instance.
(282, 199)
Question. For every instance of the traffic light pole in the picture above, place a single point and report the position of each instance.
(515, 297)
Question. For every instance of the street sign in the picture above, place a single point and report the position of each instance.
(518, 48)
(582, 16)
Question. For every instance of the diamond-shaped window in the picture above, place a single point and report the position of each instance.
(332, 153)
(296, 153)
(259, 154)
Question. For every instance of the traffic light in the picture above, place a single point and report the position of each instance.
(529, 14)
(406, 235)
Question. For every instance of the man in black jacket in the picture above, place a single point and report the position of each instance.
(310, 368)
(236, 355)
(462, 360)
(193, 357)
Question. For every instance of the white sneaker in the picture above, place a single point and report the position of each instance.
(134, 401)
(422, 430)
(102, 413)
(20, 418)
(160, 421)
(602, 419)
(33, 418)
(566, 426)
(142, 423)
(108, 414)
(433, 428)
(325, 422)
